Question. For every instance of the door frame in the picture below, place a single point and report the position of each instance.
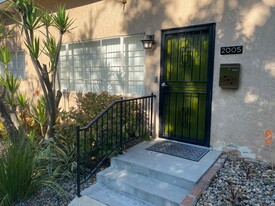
(164, 32)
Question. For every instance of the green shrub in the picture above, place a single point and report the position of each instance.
(3, 132)
(39, 114)
(89, 106)
(59, 158)
(21, 173)
(93, 104)
(104, 136)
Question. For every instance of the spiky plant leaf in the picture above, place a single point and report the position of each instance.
(5, 55)
(46, 19)
(31, 15)
(39, 111)
(33, 19)
(51, 51)
(62, 21)
(21, 173)
(34, 47)
(10, 82)
(10, 101)
(22, 101)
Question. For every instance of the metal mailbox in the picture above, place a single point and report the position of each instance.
(229, 76)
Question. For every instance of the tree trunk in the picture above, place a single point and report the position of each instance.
(10, 122)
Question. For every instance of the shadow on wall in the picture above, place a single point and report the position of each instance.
(150, 16)
(254, 29)
(90, 23)
(239, 116)
(249, 110)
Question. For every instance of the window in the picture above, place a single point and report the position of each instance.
(115, 65)
(17, 65)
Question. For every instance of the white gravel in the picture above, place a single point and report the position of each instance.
(241, 182)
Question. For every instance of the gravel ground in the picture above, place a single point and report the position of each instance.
(239, 182)
(47, 197)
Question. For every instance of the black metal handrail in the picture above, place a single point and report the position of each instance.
(121, 122)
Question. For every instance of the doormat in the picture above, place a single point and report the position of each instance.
(185, 151)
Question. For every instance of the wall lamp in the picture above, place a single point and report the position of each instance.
(148, 41)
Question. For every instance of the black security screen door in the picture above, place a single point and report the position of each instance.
(186, 84)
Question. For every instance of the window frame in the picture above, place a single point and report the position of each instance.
(116, 61)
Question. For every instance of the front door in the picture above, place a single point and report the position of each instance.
(186, 83)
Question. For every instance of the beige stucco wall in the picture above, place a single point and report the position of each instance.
(239, 117)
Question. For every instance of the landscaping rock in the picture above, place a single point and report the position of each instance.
(241, 182)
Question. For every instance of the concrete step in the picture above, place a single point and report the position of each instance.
(143, 187)
(144, 178)
(173, 170)
(111, 197)
(151, 171)
(101, 195)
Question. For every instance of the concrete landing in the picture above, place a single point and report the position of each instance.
(141, 177)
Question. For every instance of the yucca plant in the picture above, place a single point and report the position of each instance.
(62, 21)
(5, 56)
(39, 113)
(23, 109)
(30, 18)
(10, 82)
(9, 85)
(21, 174)
(5, 59)
(22, 101)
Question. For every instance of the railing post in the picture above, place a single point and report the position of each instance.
(152, 106)
(78, 160)
(120, 122)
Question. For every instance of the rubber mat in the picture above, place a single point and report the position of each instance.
(186, 151)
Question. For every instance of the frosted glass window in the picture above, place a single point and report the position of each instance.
(17, 66)
(115, 65)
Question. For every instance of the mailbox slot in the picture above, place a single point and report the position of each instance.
(229, 76)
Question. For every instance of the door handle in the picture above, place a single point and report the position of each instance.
(164, 84)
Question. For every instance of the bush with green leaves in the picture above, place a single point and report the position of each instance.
(63, 149)
(89, 106)
(59, 158)
(21, 173)
(107, 132)
(92, 104)
(3, 132)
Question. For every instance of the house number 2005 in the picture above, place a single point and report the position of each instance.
(231, 50)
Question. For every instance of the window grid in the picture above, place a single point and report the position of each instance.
(114, 65)
(17, 66)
